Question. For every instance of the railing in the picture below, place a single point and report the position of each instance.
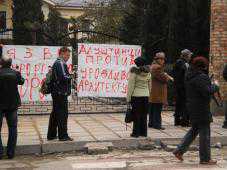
(6, 35)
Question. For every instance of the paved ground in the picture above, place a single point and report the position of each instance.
(99, 127)
(116, 160)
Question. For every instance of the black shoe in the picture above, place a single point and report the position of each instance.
(150, 125)
(134, 136)
(143, 136)
(224, 126)
(159, 128)
(0, 157)
(66, 139)
(178, 156)
(51, 138)
(210, 162)
(177, 123)
(10, 156)
(185, 124)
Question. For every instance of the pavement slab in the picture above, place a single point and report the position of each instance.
(32, 130)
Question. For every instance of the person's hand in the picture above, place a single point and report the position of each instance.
(216, 82)
(171, 78)
(165, 104)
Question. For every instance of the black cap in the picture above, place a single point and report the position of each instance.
(140, 61)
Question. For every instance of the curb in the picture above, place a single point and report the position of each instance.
(91, 147)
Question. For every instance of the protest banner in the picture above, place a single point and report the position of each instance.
(33, 62)
(103, 69)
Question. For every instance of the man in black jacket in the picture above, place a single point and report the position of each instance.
(60, 90)
(9, 103)
(198, 91)
(180, 69)
(225, 77)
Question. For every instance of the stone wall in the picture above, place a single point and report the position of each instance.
(77, 105)
(218, 40)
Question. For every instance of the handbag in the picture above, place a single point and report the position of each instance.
(128, 114)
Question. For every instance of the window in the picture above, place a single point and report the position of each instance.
(2, 20)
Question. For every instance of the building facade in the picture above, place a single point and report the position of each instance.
(218, 41)
(6, 18)
(68, 9)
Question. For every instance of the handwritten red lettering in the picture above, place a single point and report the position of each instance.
(89, 59)
(28, 69)
(83, 50)
(46, 54)
(117, 51)
(107, 59)
(99, 59)
(35, 82)
(36, 69)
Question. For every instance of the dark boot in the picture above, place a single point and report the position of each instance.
(177, 121)
(178, 155)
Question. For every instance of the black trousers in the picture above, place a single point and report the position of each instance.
(181, 115)
(204, 141)
(139, 110)
(58, 117)
(225, 121)
(11, 119)
(155, 119)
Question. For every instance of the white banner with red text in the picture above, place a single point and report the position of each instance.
(103, 69)
(33, 62)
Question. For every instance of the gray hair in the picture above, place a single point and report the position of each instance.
(159, 55)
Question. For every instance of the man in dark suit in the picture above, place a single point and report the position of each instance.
(60, 90)
(180, 70)
(9, 103)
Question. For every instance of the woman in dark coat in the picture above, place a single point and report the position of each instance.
(198, 91)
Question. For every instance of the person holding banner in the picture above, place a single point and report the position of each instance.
(60, 90)
(9, 103)
(137, 96)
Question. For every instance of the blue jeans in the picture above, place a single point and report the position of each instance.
(11, 118)
(204, 141)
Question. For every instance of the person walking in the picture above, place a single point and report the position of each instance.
(179, 70)
(60, 90)
(158, 95)
(137, 96)
(198, 96)
(9, 103)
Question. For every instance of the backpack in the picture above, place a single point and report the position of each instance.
(46, 84)
(225, 72)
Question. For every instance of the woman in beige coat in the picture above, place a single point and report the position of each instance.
(138, 94)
